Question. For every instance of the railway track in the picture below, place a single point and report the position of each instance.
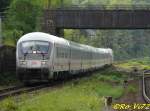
(146, 85)
(16, 90)
(4, 90)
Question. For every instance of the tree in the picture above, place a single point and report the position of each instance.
(4, 4)
(22, 17)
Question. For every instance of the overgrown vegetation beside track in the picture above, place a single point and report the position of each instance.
(8, 79)
(83, 94)
(141, 63)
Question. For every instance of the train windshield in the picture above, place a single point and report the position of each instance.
(35, 47)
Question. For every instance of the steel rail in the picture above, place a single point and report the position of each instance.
(8, 93)
(146, 98)
(4, 90)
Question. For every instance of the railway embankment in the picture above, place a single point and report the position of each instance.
(86, 93)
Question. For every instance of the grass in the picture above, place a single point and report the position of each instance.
(8, 105)
(142, 63)
(84, 94)
(132, 89)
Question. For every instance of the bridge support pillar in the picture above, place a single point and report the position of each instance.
(49, 26)
(54, 31)
(60, 32)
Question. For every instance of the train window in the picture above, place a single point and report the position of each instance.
(42, 47)
(35, 46)
(57, 51)
(66, 53)
(62, 53)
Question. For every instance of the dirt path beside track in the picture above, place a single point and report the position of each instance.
(129, 98)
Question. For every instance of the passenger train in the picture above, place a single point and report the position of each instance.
(41, 57)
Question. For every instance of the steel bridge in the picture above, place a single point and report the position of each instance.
(55, 20)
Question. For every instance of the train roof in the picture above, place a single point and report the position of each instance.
(105, 50)
(51, 38)
(41, 36)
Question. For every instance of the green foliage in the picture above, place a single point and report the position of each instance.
(22, 15)
(120, 2)
(22, 18)
(11, 37)
(110, 79)
(76, 36)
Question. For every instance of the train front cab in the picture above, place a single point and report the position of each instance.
(33, 60)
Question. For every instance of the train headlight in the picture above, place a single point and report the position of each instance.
(43, 62)
(22, 62)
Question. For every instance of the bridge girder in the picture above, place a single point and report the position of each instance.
(58, 19)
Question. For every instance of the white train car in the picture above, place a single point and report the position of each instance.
(40, 57)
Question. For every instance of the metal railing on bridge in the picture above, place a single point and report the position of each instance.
(104, 7)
